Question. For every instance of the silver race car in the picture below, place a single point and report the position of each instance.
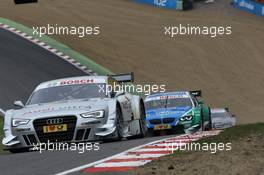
(222, 118)
(75, 109)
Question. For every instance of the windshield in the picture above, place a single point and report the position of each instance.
(179, 102)
(155, 104)
(69, 92)
(168, 103)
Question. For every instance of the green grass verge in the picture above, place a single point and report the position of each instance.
(230, 135)
(235, 133)
(100, 70)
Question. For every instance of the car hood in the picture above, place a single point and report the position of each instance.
(168, 112)
(61, 108)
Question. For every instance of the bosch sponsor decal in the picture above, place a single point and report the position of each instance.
(70, 82)
(52, 109)
(65, 82)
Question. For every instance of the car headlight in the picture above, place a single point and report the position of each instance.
(189, 117)
(186, 118)
(94, 114)
(18, 122)
(182, 119)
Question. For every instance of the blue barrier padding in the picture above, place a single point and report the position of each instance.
(250, 6)
(170, 4)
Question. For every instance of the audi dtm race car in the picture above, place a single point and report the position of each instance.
(182, 111)
(75, 109)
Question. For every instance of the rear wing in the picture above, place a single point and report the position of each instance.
(197, 93)
(124, 78)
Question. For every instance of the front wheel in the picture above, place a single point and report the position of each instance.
(207, 120)
(119, 124)
(210, 125)
(142, 124)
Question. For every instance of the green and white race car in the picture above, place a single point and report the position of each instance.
(182, 110)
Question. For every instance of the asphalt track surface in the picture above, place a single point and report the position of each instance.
(23, 66)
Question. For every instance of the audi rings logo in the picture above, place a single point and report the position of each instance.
(54, 121)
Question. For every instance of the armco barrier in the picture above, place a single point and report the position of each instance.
(170, 4)
(250, 6)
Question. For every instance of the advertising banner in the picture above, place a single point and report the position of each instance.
(250, 6)
(170, 4)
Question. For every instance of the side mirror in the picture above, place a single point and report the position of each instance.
(19, 104)
(112, 94)
(2, 113)
(200, 101)
(119, 93)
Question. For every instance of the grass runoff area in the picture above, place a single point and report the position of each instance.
(240, 150)
(236, 133)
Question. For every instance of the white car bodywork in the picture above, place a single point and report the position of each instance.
(222, 118)
(26, 126)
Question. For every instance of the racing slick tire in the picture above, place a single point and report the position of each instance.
(142, 123)
(202, 121)
(207, 112)
(119, 121)
(210, 125)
